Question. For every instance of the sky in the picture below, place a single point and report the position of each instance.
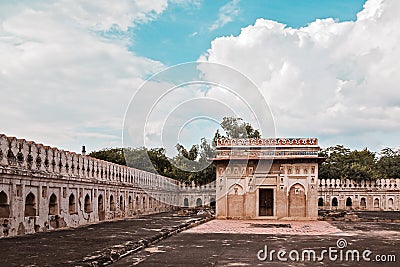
(69, 69)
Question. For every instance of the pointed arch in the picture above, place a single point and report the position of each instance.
(199, 202)
(71, 204)
(212, 203)
(100, 207)
(390, 203)
(334, 202)
(88, 204)
(349, 202)
(112, 203)
(236, 189)
(121, 203)
(297, 201)
(320, 202)
(137, 203)
(4, 206)
(30, 205)
(130, 202)
(376, 203)
(363, 203)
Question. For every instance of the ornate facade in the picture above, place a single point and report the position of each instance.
(267, 178)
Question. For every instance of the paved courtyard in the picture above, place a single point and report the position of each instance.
(214, 243)
(265, 227)
(75, 247)
(231, 243)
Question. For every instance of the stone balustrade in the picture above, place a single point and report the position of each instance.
(31, 158)
(371, 195)
(379, 184)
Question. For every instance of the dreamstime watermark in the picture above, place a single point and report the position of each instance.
(184, 101)
(339, 253)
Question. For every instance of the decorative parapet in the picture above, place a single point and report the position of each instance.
(347, 184)
(268, 142)
(195, 188)
(271, 148)
(29, 158)
(265, 153)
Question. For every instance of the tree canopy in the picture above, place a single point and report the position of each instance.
(343, 163)
(237, 128)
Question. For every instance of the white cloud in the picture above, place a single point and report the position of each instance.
(226, 14)
(63, 84)
(188, 3)
(336, 80)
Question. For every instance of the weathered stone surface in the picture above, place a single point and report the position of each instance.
(375, 195)
(258, 178)
(240, 249)
(44, 188)
(93, 245)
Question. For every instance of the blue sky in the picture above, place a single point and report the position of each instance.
(327, 68)
(182, 32)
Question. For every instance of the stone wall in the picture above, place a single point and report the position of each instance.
(379, 195)
(197, 195)
(44, 188)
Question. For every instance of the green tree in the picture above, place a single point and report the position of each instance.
(342, 163)
(237, 128)
(137, 158)
(388, 164)
(114, 155)
(333, 167)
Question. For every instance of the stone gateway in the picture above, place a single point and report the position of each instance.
(273, 178)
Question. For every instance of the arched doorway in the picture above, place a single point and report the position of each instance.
(363, 203)
(137, 203)
(88, 204)
(390, 203)
(212, 203)
(112, 203)
(121, 203)
(100, 207)
(334, 202)
(144, 203)
(53, 205)
(320, 202)
(349, 202)
(4, 206)
(30, 205)
(71, 204)
(376, 203)
(297, 201)
(130, 203)
(186, 202)
(199, 202)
